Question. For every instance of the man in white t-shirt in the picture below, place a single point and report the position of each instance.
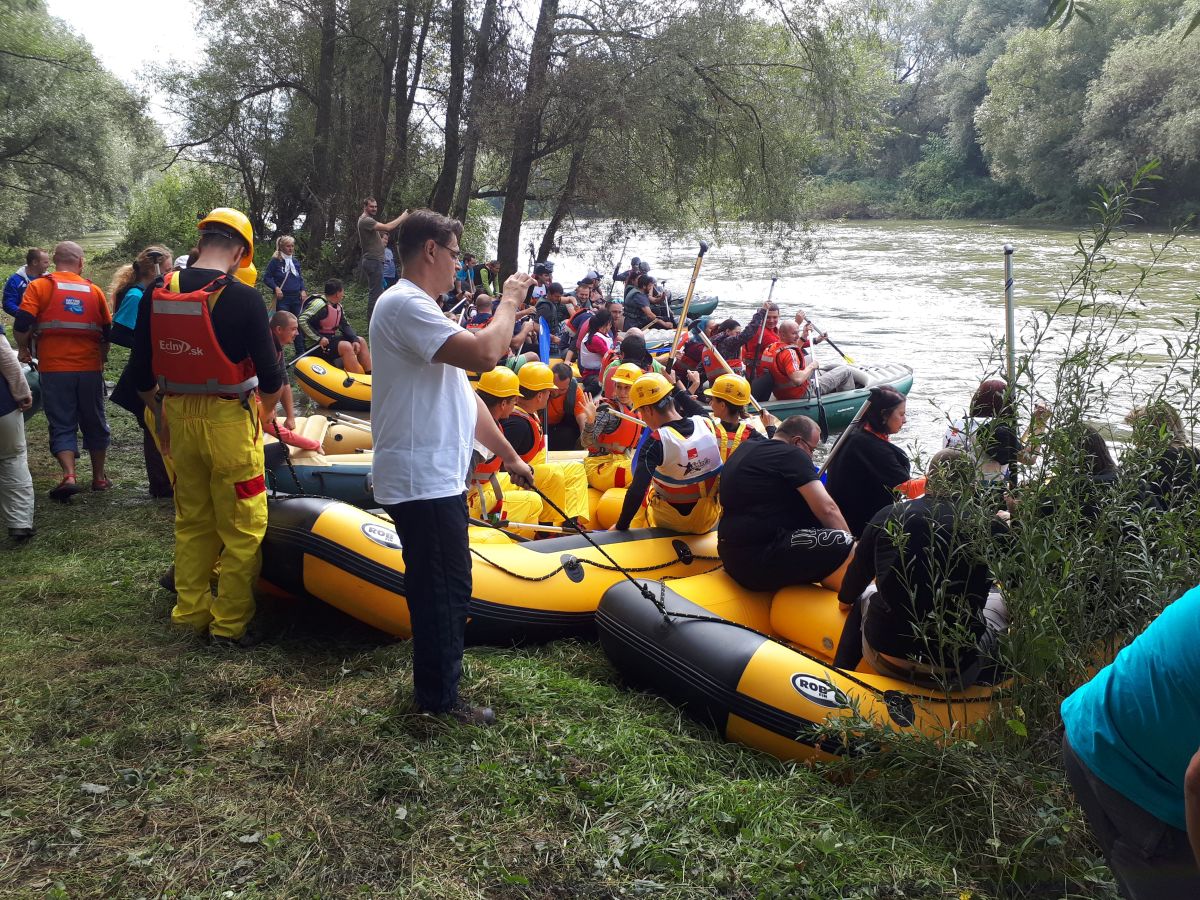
(425, 420)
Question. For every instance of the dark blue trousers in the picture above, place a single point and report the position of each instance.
(437, 583)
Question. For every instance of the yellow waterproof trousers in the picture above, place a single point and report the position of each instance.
(656, 512)
(216, 454)
(566, 485)
(608, 470)
(519, 505)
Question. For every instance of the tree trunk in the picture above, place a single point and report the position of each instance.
(525, 136)
(564, 202)
(406, 91)
(318, 200)
(443, 191)
(388, 67)
(480, 70)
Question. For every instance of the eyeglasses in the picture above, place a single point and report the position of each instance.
(807, 446)
(454, 251)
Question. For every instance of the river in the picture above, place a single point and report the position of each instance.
(927, 294)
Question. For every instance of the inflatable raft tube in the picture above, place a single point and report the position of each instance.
(737, 671)
(522, 592)
(332, 387)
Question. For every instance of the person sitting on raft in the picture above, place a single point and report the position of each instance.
(632, 350)
(869, 468)
(787, 373)
(483, 312)
(284, 327)
(566, 411)
(639, 311)
(324, 322)
(723, 337)
(989, 432)
(728, 397)
(595, 342)
(1160, 448)
(492, 495)
(564, 484)
(610, 440)
(934, 619)
(676, 468)
(780, 527)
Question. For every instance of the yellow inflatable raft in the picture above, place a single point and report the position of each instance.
(758, 666)
(532, 591)
(332, 387)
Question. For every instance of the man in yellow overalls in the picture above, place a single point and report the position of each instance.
(201, 347)
(499, 390)
(565, 484)
(610, 440)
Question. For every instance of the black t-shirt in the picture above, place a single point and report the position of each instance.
(759, 493)
(239, 320)
(518, 432)
(862, 476)
(932, 583)
(1001, 442)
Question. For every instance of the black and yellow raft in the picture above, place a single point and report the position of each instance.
(522, 591)
(759, 667)
(332, 387)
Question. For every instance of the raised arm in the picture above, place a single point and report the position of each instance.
(477, 351)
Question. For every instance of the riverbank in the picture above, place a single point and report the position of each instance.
(137, 762)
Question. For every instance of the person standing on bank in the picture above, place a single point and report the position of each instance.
(425, 420)
(209, 423)
(16, 484)
(372, 235)
(68, 319)
(285, 280)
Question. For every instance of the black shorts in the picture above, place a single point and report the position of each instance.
(804, 556)
(330, 354)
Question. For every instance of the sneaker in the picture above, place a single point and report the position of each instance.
(21, 535)
(66, 489)
(167, 580)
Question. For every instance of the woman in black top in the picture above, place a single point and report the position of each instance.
(863, 477)
(1160, 453)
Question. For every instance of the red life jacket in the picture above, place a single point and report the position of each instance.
(755, 350)
(185, 354)
(483, 472)
(713, 369)
(74, 309)
(539, 441)
(731, 441)
(772, 358)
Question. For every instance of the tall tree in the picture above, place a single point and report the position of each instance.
(443, 190)
(480, 73)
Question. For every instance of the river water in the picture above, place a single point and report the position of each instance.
(926, 294)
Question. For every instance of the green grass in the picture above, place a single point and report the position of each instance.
(136, 762)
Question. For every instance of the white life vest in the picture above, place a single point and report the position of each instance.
(690, 465)
(590, 361)
(963, 434)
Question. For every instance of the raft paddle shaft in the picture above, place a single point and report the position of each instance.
(762, 330)
(687, 302)
(313, 349)
(724, 365)
(862, 411)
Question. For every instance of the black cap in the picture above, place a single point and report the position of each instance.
(644, 265)
(554, 288)
(543, 268)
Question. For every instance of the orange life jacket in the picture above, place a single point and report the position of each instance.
(730, 442)
(185, 354)
(622, 439)
(713, 369)
(771, 358)
(539, 440)
(74, 309)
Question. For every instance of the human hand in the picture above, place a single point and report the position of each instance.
(278, 293)
(25, 403)
(303, 296)
(24, 355)
(521, 473)
(693, 380)
(589, 406)
(1041, 413)
(290, 423)
(768, 419)
(516, 287)
(671, 376)
(324, 343)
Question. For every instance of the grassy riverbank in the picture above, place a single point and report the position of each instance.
(135, 761)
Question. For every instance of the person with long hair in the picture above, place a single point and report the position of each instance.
(285, 280)
(869, 468)
(128, 285)
(1161, 450)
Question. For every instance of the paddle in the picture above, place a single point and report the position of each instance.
(687, 302)
(617, 268)
(815, 379)
(724, 365)
(752, 370)
(862, 411)
(830, 342)
(313, 349)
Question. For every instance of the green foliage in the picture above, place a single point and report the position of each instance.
(71, 135)
(941, 186)
(165, 209)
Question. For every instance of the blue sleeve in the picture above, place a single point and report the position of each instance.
(12, 295)
(271, 278)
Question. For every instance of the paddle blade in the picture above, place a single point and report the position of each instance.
(823, 422)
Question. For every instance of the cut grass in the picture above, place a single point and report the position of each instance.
(136, 762)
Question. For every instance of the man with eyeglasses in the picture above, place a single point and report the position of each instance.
(780, 527)
(425, 423)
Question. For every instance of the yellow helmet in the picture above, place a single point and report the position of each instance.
(732, 389)
(648, 390)
(500, 382)
(248, 275)
(234, 221)
(627, 373)
(536, 376)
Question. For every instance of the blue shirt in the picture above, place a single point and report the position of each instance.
(1136, 725)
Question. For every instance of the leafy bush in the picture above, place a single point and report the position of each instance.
(165, 210)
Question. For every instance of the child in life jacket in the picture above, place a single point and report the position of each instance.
(611, 439)
(677, 466)
(565, 484)
(492, 495)
(324, 322)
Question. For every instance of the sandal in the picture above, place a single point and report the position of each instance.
(101, 484)
(66, 489)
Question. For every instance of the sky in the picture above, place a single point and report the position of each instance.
(128, 33)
